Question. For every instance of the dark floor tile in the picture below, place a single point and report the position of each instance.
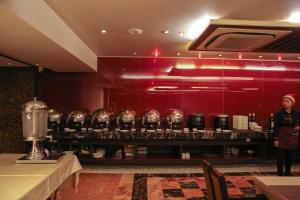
(188, 185)
(249, 192)
(195, 198)
(229, 184)
(173, 193)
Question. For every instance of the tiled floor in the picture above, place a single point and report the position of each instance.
(160, 183)
(94, 186)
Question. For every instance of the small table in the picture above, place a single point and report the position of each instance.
(278, 187)
(34, 181)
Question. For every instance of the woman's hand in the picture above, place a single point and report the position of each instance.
(276, 143)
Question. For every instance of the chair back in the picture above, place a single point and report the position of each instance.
(207, 170)
(219, 185)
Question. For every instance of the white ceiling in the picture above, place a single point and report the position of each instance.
(86, 18)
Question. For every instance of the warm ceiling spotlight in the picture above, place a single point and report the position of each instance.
(9, 63)
(199, 55)
(134, 53)
(298, 58)
(260, 56)
(103, 31)
(156, 53)
(135, 31)
(181, 33)
(178, 54)
(220, 55)
(240, 56)
(124, 69)
(37, 64)
(279, 57)
(165, 31)
(294, 17)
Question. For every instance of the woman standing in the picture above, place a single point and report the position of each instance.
(286, 127)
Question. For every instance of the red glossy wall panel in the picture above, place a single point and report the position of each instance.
(210, 86)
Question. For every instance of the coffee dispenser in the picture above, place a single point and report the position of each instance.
(221, 123)
(34, 121)
(197, 121)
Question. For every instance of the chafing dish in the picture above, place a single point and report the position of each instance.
(76, 120)
(151, 120)
(54, 119)
(126, 120)
(100, 119)
(175, 120)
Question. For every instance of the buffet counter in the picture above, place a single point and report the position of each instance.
(34, 181)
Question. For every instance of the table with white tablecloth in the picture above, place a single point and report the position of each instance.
(34, 181)
(278, 187)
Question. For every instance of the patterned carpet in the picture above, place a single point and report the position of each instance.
(99, 186)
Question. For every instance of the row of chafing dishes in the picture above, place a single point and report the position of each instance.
(127, 120)
(124, 126)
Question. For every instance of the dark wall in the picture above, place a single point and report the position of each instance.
(17, 86)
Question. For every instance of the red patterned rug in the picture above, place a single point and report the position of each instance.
(97, 186)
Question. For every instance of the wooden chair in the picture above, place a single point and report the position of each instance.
(207, 170)
(219, 185)
(216, 185)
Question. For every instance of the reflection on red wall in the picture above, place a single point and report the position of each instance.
(210, 86)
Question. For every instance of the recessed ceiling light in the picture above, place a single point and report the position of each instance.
(294, 17)
(279, 57)
(135, 31)
(260, 56)
(181, 33)
(37, 64)
(220, 55)
(103, 31)
(298, 57)
(240, 56)
(165, 31)
(124, 69)
(178, 54)
(199, 55)
(134, 53)
(156, 52)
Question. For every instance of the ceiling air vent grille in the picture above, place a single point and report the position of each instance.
(236, 39)
(288, 44)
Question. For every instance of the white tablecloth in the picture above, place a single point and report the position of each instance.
(278, 187)
(34, 181)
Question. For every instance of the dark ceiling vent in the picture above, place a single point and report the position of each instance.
(288, 44)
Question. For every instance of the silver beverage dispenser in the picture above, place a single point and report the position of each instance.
(34, 121)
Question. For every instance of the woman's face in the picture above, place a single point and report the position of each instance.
(287, 103)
